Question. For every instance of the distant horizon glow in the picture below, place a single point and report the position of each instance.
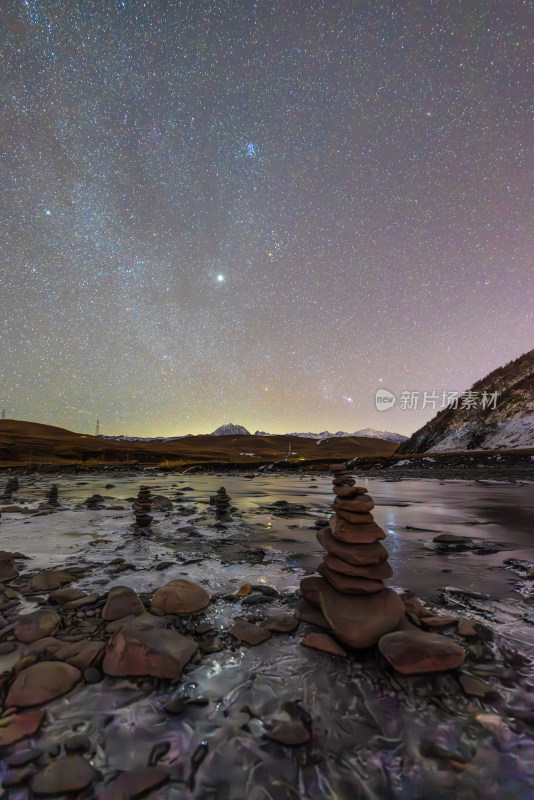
(260, 212)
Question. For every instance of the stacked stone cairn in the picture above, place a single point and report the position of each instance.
(221, 501)
(52, 496)
(11, 486)
(350, 598)
(142, 506)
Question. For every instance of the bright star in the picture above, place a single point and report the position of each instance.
(220, 278)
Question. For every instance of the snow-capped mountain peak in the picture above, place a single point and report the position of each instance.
(230, 430)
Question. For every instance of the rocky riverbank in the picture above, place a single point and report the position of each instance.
(168, 660)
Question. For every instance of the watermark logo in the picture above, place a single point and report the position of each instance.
(384, 399)
(418, 401)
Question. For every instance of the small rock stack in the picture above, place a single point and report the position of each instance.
(142, 507)
(52, 497)
(221, 501)
(350, 598)
(11, 486)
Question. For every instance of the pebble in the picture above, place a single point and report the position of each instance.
(92, 675)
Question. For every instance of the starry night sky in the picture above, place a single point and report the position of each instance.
(259, 212)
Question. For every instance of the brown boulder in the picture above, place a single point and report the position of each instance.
(69, 774)
(61, 596)
(50, 579)
(324, 642)
(18, 726)
(122, 602)
(42, 682)
(361, 555)
(160, 503)
(348, 584)
(156, 652)
(412, 652)
(180, 597)
(345, 480)
(360, 621)
(380, 571)
(42, 622)
(355, 534)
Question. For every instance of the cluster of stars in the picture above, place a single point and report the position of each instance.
(190, 186)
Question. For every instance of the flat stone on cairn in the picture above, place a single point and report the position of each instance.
(351, 595)
(142, 506)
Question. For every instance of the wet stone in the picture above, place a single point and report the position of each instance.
(122, 602)
(25, 756)
(42, 682)
(61, 596)
(50, 579)
(36, 625)
(412, 652)
(159, 653)
(438, 622)
(466, 628)
(324, 642)
(291, 734)
(474, 687)
(92, 675)
(180, 597)
(249, 633)
(79, 743)
(360, 621)
(133, 783)
(348, 584)
(16, 777)
(19, 726)
(361, 555)
(281, 623)
(70, 774)
(306, 612)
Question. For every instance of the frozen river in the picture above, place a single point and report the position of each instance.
(375, 734)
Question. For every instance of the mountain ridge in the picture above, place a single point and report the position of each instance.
(509, 424)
